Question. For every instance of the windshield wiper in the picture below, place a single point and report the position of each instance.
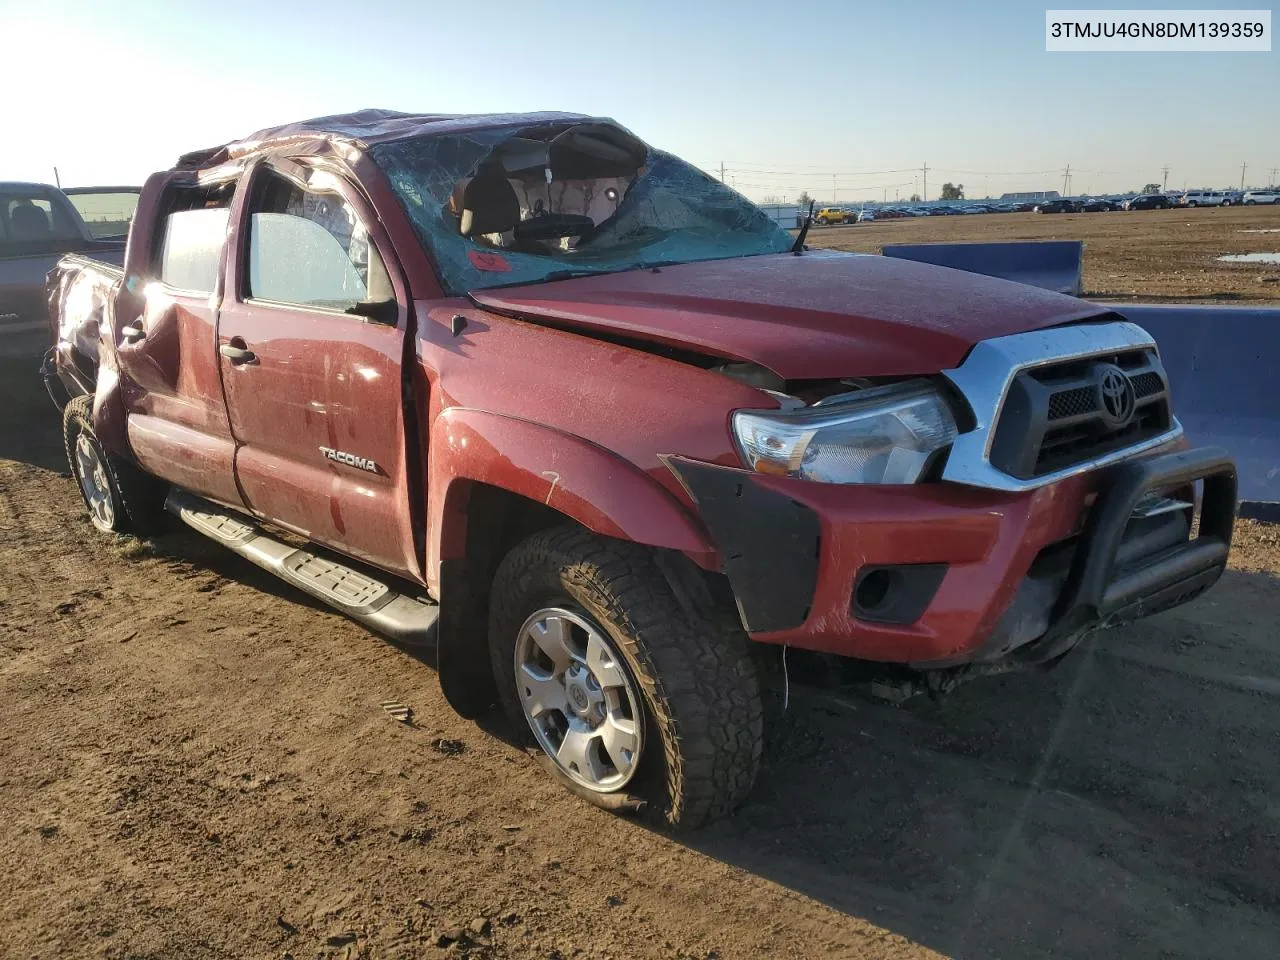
(798, 247)
(571, 274)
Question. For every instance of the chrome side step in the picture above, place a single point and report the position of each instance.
(361, 597)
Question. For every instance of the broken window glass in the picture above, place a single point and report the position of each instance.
(502, 207)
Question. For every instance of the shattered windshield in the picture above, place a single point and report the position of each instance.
(513, 206)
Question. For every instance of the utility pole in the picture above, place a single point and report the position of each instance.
(834, 192)
(924, 173)
(722, 171)
(1164, 184)
(1243, 167)
(1066, 179)
(56, 179)
(1272, 181)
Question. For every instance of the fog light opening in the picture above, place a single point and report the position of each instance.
(875, 589)
(897, 593)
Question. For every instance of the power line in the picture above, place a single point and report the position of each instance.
(815, 167)
(995, 173)
(809, 174)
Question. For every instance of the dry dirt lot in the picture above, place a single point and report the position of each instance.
(196, 765)
(1146, 255)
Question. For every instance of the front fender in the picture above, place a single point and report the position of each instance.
(585, 482)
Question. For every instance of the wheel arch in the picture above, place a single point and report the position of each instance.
(493, 482)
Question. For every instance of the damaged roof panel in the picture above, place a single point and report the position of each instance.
(367, 127)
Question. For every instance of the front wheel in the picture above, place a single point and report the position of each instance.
(120, 497)
(1250, 203)
(631, 702)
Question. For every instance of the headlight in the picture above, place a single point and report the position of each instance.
(881, 435)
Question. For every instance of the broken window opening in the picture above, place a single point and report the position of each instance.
(514, 206)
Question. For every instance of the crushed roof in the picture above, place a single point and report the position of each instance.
(366, 127)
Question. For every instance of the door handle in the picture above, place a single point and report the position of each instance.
(132, 334)
(237, 355)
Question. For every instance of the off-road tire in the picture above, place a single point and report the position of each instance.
(137, 498)
(700, 694)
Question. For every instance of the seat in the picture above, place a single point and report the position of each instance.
(27, 221)
(489, 204)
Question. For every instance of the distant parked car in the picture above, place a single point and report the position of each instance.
(1097, 205)
(941, 211)
(866, 215)
(1056, 206)
(1148, 201)
(1206, 198)
(1261, 196)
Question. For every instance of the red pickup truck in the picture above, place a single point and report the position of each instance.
(528, 390)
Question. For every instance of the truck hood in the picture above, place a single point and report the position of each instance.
(820, 315)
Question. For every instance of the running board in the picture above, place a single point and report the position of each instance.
(359, 596)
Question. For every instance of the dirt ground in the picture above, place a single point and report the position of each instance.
(1146, 255)
(197, 765)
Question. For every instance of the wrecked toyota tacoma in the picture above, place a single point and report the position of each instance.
(585, 422)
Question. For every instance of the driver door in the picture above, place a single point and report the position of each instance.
(313, 387)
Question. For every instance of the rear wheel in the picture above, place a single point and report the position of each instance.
(631, 702)
(120, 497)
(1250, 203)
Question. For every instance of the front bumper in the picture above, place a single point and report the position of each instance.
(1003, 573)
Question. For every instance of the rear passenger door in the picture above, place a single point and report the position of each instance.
(311, 337)
(177, 425)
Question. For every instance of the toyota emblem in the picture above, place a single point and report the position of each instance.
(1115, 394)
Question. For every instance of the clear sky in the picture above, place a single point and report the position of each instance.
(784, 94)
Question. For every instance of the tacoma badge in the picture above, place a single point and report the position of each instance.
(350, 459)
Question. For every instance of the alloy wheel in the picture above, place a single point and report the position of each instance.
(579, 698)
(91, 474)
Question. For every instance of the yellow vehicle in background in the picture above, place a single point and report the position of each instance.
(830, 215)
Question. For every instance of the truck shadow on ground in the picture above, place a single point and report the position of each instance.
(37, 439)
(1120, 805)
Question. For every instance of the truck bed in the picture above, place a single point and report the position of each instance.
(80, 291)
